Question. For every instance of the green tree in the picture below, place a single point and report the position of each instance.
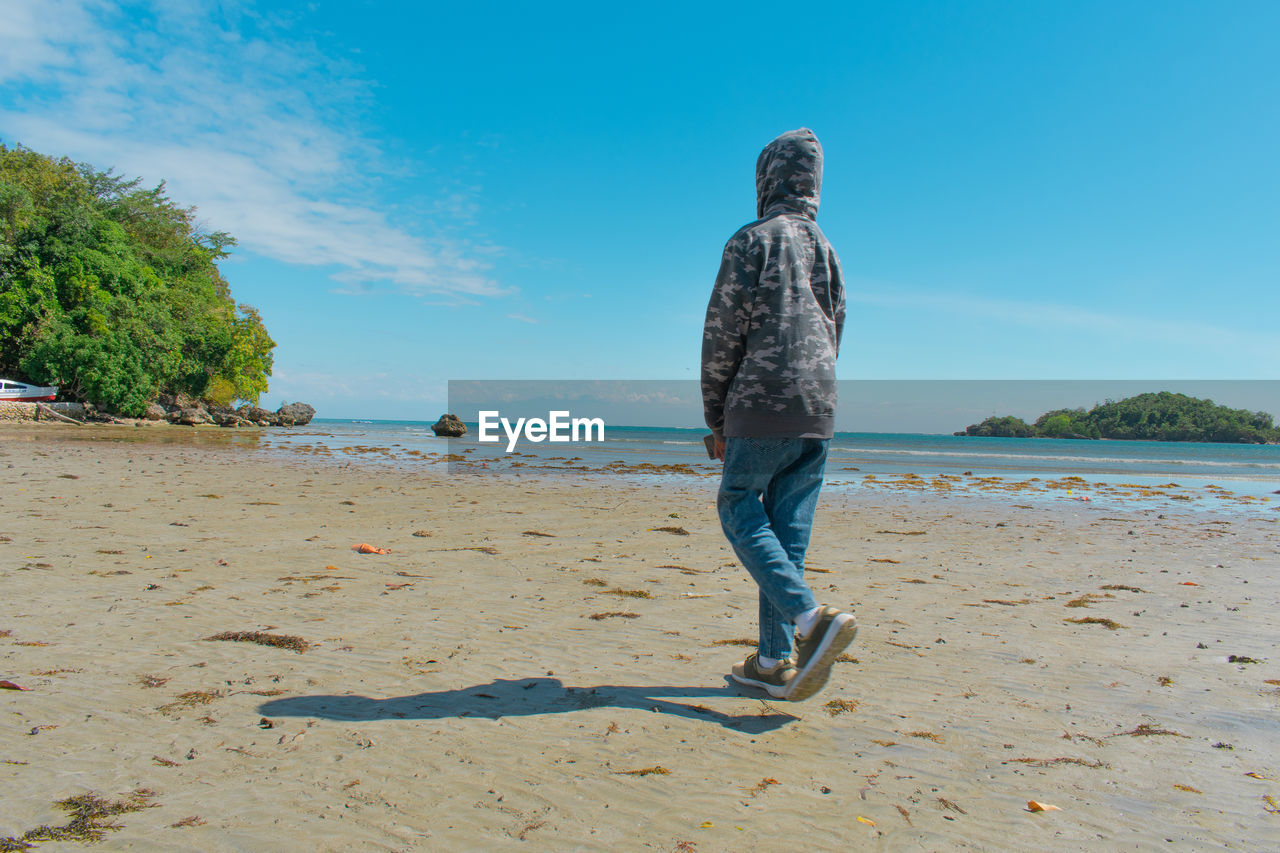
(1054, 426)
(1002, 427)
(1064, 423)
(111, 291)
(1162, 416)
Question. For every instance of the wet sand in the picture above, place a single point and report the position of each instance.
(538, 664)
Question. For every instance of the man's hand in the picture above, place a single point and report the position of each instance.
(718, 453)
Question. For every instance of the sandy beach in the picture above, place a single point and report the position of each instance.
(540, 663)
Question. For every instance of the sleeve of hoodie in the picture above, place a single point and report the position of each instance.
(837, 290)
(724, 334)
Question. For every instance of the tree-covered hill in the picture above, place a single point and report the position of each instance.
(112, 292)
(1160, 416)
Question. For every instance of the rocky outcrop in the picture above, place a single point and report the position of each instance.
(193, 416)
(294, 414)
(225, 416)
(255, 415)
(449, 426)
(174, 408)
(198, 413)
(176, 402)
(93, 413)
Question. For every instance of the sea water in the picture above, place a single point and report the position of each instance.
(1201, 473)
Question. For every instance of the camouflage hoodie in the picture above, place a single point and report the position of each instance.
(776, 315)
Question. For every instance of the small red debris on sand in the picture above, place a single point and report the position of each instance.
(366, 548)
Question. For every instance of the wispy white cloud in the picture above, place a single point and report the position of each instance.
(344, 390)
(255, 128)
(34, 36)
(522, 318)
(1057, 318)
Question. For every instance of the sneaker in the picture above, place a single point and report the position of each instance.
(831, 634)
(776, 681)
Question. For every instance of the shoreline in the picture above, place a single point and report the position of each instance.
(1113, 491)
(457, 691)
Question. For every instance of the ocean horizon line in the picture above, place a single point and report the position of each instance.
(693, 429)
(837, 434)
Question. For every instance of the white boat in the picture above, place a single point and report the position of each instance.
(20, 392)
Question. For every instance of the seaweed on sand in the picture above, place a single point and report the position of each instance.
(840, 706)
(936, 738)
(283, 641)
(1094, 620)
(90, 819)
(1052, 762)
(655, 770)
(193, 820)
(628, 593)
(685, 570)
(190, 699)
(1147, 730)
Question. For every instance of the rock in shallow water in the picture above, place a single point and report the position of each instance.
(450, 426)
(294, 414)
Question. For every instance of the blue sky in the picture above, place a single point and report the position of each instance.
(425, 192)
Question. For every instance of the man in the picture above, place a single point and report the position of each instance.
(769, 349)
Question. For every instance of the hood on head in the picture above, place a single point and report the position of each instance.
(789, 174)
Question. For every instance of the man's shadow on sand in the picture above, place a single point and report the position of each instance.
(526, 697)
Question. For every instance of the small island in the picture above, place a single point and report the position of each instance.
(1162, 416)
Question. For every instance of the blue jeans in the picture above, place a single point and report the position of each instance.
(768, 494)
